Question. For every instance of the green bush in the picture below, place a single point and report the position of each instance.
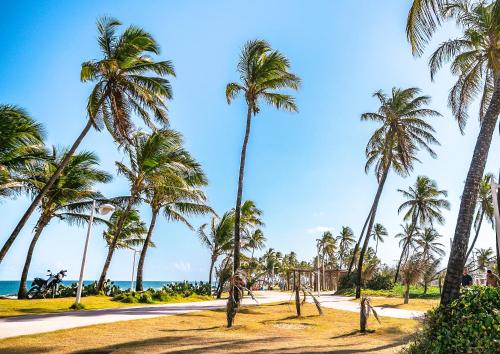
(347, 281)
(77, 307)
(146, 298)
(380, 282)
(470, 324)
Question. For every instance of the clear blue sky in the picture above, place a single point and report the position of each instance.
(305, 170)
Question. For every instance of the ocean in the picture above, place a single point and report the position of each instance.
(10, 287)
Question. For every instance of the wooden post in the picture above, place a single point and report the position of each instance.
(310, 279)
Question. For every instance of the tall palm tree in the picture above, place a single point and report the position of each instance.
(407, 242)
(484, 208)
(256, 241)
(69, 196)
(220, 238)
(21, 143)
(149, 155)
(423, 205)
(177, 203)
(378, 234)
(475, 60)
(403, 131)
(123, 86)
(428, 244)
(262, 71)
(345, 239)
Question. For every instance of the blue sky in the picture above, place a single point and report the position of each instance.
(305, 170)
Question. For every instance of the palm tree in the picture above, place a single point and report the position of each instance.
(122, 87)
(150, 156)
(133, 232)
(483, 257)
(407, 242)
(256, 240)
(220, 238)
(21, 143)
(378, 234)
(262, 71)
(175, 191)
(475, 60)
(69, 196)
(395, 144)
(430, 272)
(424, 202)
(429, 246)
(411, 273)
(345, 240)
(484, 208)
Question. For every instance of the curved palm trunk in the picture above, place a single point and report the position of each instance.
(140, 265)
(406, 246)
(112, 247)
(212, 263)
(234, 299)
(42, 193)
(356, 247)
(369, 229)
(456, 261)
(40, 225)
(475, 236)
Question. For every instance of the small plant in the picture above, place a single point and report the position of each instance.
(364, 313)
(380, 282)
(77, 306)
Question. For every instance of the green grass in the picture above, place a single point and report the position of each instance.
(9, 307)
(396, 291)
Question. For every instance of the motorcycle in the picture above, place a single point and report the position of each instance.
(43, 287)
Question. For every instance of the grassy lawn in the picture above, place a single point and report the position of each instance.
(414, 304)
(10, 307)
(264, 328)
(396, 291)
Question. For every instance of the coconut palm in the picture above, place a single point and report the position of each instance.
(263, 71)
(430, 272)
(483, 257)
(69, 196)
(133, 232)
(345, 240)
(255, 241)
(220, 238)
(123, 86)
(428, 245)
(475, 60)
(378, 234)
(178, 197)
(150, 156)
(411, 273)
(395, 144)
(423, 205)
(21, 142)
(484, 209)
(407, 242)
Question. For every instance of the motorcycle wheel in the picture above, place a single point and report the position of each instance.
(33, 292)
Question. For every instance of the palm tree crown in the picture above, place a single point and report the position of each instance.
(121, 82)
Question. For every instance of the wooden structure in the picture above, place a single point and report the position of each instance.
(328, 280)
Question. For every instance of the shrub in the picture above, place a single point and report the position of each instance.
(146, 298)
(470, 324)
(77, 307)
(380, 282)
(347, 281)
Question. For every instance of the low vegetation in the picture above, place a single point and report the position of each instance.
(469, 324)
(416, 292)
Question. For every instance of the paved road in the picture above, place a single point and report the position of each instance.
(24, 325)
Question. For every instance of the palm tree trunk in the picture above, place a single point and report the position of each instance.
(212, 263)
(369, 229)
(406, 246)
(407, 293)
(140, 265)
(356, 247)
(475, 236)
(42, 193)
(112, 246)
(234, 298)
(40, 225)
(456, 261)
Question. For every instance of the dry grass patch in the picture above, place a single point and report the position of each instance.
(414, 304)
(259, 329)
